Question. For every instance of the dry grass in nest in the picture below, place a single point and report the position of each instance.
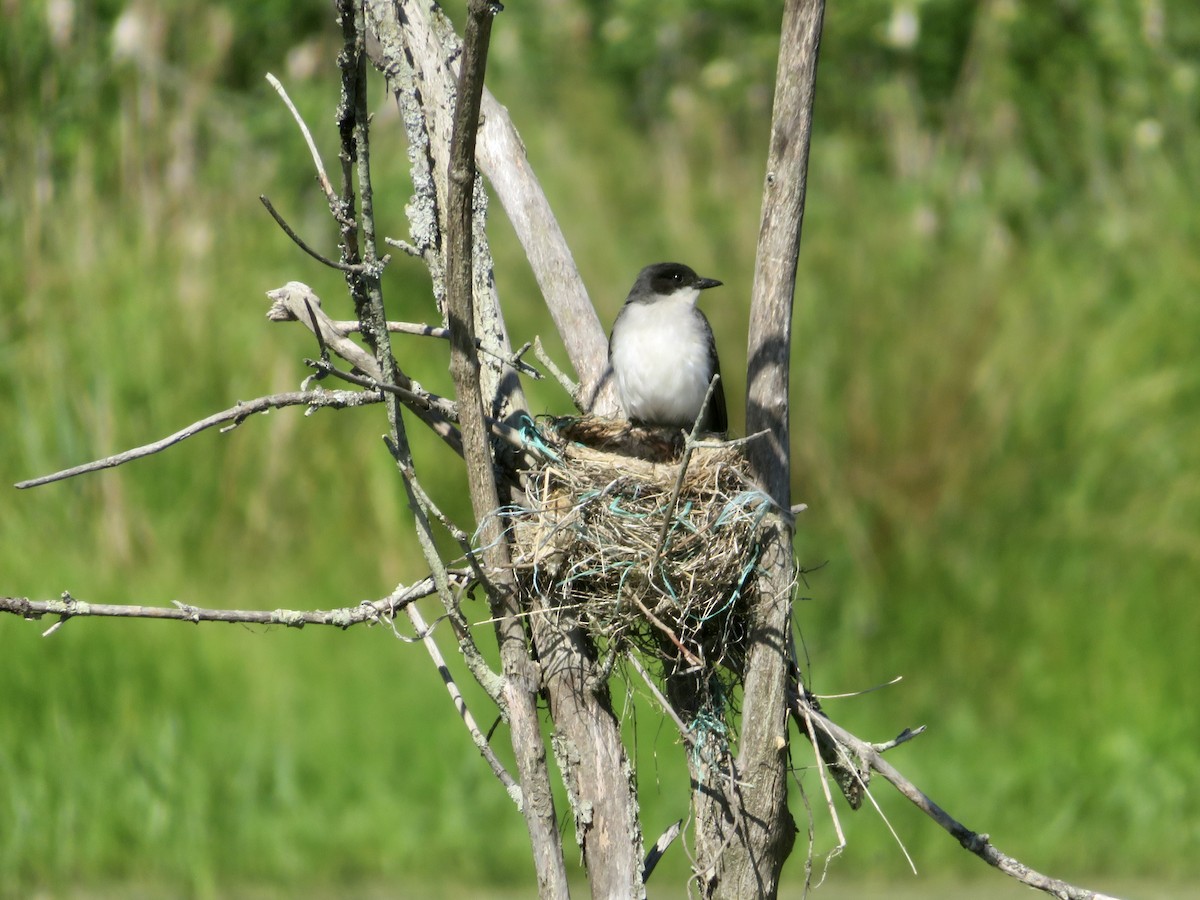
(592, 538)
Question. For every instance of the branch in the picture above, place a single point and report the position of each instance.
(503, 159)
(420, 329)
(322, 177)
(762, 754)
(69, 607)
(297, 302)
(299, 241)
(560, 376)
(979, 844)
(477, 736)
(235, 415)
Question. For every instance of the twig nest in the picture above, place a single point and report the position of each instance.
(659, 554)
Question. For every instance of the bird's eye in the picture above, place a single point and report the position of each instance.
(677, 277)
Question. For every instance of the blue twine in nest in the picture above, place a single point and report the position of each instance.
(705, 726)
(533, 437)
(736, 593)
(735, 505)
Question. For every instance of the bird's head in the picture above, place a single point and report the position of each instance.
(662, 280)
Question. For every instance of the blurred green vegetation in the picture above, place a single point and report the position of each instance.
(996, 425)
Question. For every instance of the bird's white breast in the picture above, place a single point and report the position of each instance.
(660, 358)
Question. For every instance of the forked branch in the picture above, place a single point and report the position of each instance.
(871, 756)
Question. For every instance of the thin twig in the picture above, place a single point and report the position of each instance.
(460, 537)
(477, 736)
(571, 387)
(414, 396)
(419, 329)
(662, 626)
(404, 246)
(68, 607)
(869, 690)
(503, 593)
(234, 416)
(417, 399)
(322, 177)
(684, 731)
(902, 738)
(299, 241)
(683, 466)
(806, 721)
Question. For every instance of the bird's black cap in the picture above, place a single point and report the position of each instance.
(667, 278)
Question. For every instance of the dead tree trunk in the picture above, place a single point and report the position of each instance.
(415, 45)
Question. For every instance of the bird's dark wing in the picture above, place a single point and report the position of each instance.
(718, 418)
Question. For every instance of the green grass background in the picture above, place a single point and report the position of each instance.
(996, 426)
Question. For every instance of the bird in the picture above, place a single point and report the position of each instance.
(662, 352)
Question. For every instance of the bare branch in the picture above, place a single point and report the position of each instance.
(231, 418)
(560, 376)
(68, 607)
(902, 738)
(477, 736)
(297, 302)
(502, 158)
(423, 508)
(322, 177)
(684, 732)
(299, 241)
(754, 867)
(422, 330)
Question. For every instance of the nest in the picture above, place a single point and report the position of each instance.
(593, 540)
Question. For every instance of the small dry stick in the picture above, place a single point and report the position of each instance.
(477, 736)
(335, 205)
(684, 732)
(683, 466)
(571, 387)
(418, 400)
(301, 243)
(806, 722)
(422, 330)
(662, 626)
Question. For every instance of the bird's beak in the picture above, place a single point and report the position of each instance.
(705, 283)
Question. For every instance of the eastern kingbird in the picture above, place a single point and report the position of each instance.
(662, 351)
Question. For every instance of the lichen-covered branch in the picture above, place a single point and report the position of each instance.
(521, 682)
